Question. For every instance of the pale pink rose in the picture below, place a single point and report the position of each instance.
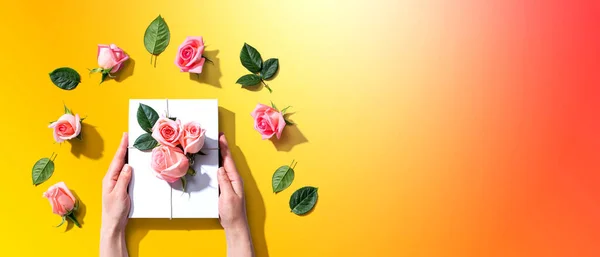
(189, 56)
(169, 163)
(61, 199)
(167, 132)
(66, 127)
(192, 139)
(268, 121)
(111, 56)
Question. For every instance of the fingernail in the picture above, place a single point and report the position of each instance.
(221, 134)
(221, 171)
(126, 168)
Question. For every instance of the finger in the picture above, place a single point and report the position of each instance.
(224, 182)
(117, 163)
(229, 165)
(123, 181)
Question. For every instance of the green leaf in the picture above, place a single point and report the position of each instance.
(104, 76)
(42, 171)
(67, 111)
(282, 178)
(146, 117)
(80, 136)
(183, 183)
(173, 118)
(284, 110)
(157, 36)
(303, 200)
(94, 70)
(145, 142)
(269, 68)
(191, 171)
(287, 122)
(250, 58)
(62, 222)
(248, 80)
(274, 107)
(71, 216)
(65, 78)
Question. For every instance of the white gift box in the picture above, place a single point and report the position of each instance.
(152, 197)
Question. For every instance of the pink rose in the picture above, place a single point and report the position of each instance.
(111, 57)
(268, 121)
(189, 57)
(169, 163)
(61, 199)
(192, 139)
(167, 132)
(66, 127)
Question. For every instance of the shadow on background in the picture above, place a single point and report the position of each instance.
(91, 144)
(80, 214)
(126, 70)
(290, 137)
(139, 228)
(211, 71)
(254, 202)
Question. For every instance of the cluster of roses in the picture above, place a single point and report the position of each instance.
(173, 158)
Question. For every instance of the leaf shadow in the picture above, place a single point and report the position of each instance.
(254, 202)
(290, 137)
(91, 145)
(211, 72)
(79, 214)
(255, 88)
(194, 184)
(126, 71)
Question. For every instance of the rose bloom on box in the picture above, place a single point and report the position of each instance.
(172, 160)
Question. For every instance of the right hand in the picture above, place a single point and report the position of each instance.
(232, 207)
(115, 199)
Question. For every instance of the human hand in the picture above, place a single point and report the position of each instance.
(115, 199)
(232, 207)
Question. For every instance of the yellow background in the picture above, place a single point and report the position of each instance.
(431, 127)
(333, 60)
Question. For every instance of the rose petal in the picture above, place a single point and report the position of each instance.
(260, 108)
(197, 56)
(197, 68)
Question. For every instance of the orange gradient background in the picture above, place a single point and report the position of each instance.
(432, 128)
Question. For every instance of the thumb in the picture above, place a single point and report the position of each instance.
(224, 182)
(123, 180)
